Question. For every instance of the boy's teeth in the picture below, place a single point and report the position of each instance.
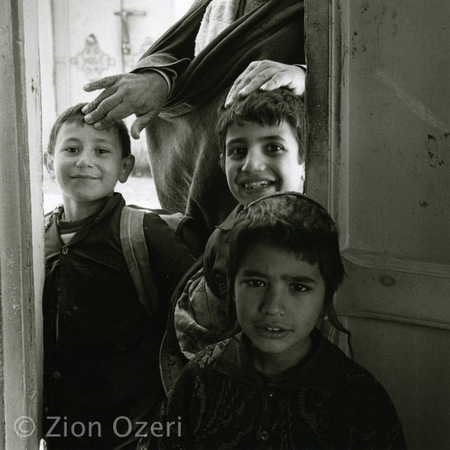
(273, 329)
(256, 184)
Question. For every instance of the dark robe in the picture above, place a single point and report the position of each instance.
(182, 141)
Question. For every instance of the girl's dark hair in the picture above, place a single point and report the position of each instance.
(74, 115)
(265, 108)
(295, 223)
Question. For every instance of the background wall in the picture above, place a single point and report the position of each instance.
(84, 40)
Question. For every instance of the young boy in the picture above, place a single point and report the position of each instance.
(262, 137)
(279, 383)
(101, 374)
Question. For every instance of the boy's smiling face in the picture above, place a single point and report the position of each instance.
(87, 164)
(262, 160)
(279, 298)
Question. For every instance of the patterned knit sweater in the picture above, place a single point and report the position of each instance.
(325, 402)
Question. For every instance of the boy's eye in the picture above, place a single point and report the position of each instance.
(274, 148)
(299, 287)
(71, 149)
(255, 283)
(236, 151)
(102, 151)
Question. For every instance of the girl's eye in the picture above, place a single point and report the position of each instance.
(255, 283)
(71, 149)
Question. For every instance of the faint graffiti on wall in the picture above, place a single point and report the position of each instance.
(92, 60)
(137, 55)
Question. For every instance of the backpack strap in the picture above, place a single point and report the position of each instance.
(136, 256)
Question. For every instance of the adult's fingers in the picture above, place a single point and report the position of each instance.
(293, 79)
(110, 109)
(237, 86)
(255, 80)
(140, 123)
(249, 80)
(104, 83)
(267, 75)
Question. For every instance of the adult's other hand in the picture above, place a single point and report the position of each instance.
(142, 94)
(267, 75)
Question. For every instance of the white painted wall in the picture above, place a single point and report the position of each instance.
(80, 41)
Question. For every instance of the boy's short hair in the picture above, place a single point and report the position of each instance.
(75, 115)
(265, 108)
(295, 223)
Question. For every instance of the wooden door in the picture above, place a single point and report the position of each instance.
(379, 142)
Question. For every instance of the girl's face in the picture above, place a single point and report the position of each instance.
(279, 298)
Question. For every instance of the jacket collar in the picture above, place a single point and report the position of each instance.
(111, 204)
(325, 366)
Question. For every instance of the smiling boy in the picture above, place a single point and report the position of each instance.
(262, 158)
(87, 164)
(101, 373)
(279, 383)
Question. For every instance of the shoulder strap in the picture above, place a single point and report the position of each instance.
(135, 251)
(136, 256)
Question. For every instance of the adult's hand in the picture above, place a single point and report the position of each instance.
(267, 76)
(142, 94)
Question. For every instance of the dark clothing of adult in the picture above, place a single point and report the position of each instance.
(326, 402)
(182, 141)
(101, 371)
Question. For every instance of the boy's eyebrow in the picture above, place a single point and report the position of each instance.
(76, 139)
(260, 139)
(301, 279)
(71, 138)
(254, 273)
(298, 279)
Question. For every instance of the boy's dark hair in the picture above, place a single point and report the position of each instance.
(295, 223)
(265, 108)
(74, 115)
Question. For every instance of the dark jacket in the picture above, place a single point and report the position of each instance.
(325, 402)
(101, 347)
(182, 141)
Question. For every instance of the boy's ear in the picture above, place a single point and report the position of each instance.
(126, 168)
(48, 161)
(222, 161)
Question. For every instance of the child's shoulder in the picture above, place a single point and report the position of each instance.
(155, 223)
(348, 376)
(219, 235)
(212, 353)
(52, 216)
(211, 357)
(228, 223)
(332, 365)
